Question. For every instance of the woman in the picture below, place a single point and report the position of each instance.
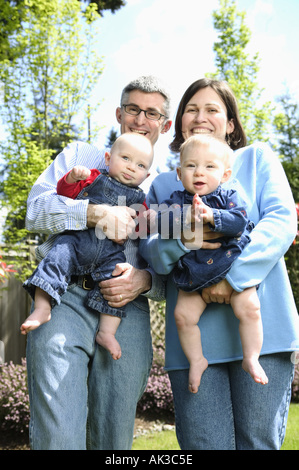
(230, 411)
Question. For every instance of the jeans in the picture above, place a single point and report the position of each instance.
(78, 253)
(80, 398)
(232, 412)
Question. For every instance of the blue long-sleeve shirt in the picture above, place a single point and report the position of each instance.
(260, 180)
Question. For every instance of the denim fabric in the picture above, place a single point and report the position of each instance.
(82, 252)
(69, 374)
(232, 412)
(202, 268)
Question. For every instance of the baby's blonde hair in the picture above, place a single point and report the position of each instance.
(135, 139)
(221, 147)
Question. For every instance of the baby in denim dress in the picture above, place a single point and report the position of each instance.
(89, 251)
(205, 164)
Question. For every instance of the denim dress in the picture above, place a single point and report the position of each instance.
(203, 267)
(86, 252)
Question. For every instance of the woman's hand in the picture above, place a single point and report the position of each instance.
(130, 283)
(189, 240)
(219, 293)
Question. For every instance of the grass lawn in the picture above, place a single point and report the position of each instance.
(291, 441)
(166, 440)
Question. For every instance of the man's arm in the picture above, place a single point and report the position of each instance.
(48, 212)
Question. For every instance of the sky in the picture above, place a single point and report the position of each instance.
(173, 39)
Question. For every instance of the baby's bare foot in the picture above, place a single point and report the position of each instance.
(109, 342)
(37, 318)
(195, 373)
(253, 367)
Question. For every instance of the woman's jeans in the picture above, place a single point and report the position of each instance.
(79, 396)
(232, 412)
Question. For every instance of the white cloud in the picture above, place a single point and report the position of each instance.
(174, 40)
(170, 41)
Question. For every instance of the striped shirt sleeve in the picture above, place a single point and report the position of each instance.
(47, 212)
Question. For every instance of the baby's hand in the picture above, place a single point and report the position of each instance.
(78, 173)
(202, 210)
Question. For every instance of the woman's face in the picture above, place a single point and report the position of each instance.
(206, 113)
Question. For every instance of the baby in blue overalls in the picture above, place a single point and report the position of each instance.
(89, 251)
(205, 164)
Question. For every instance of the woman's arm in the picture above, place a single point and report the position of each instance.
(276, 229)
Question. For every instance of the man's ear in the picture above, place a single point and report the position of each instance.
(226, 175)
(166, 127)
(118, 115)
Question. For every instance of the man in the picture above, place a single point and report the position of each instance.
(80, 398)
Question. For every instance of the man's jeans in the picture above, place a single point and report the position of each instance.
(79, 396)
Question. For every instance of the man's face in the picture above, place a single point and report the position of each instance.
(140, 123)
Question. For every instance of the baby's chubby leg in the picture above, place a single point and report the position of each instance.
(41, 313)
(188, 310)
(246, 306)
(106, 335)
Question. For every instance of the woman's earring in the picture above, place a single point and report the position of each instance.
(227, 138)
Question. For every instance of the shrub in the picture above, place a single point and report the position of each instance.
(157, 398)
(14, 399)
(295, 386)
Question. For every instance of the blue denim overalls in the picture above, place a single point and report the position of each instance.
(83, 252)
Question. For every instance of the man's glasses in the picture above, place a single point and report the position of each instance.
(134, 110)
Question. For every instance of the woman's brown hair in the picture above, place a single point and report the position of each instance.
(237, 138)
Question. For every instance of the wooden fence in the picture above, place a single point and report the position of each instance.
(15, 306)
(14, 309)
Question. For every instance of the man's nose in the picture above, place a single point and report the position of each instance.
(140, 118)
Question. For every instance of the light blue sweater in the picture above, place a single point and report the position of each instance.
(259, 178)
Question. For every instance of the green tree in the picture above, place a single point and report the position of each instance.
(111, 138)
(234, 64)
(111, 5)
(45, 87)
(286, 124)
(12, 14)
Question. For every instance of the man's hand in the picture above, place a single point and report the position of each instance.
(116, 222)
(219, 293)
(130, 283)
